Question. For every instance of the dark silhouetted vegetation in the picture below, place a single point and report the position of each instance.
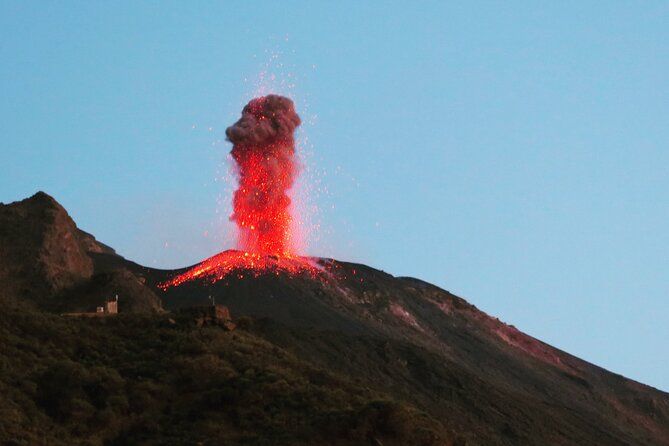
(159, 379)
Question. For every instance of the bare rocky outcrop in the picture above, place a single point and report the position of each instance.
(207, 315)
(40, 250)
(46, 259)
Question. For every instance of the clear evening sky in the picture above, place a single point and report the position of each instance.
(514, 153)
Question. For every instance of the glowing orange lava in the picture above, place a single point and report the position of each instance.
(244, 264)
(266, 166)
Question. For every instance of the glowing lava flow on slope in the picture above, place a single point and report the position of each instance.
(242, 264)
(264, 153)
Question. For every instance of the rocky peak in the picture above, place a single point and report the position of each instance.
(40, 247)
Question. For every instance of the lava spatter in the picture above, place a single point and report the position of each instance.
(266, 167)
(241, 264)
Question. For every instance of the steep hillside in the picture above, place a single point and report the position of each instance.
(481, 377)
(46, 259)
(40, 251)
(149, 379)
(353, 356)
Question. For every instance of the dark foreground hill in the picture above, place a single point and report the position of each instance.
(360, 357)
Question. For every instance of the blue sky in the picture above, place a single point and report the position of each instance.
(516, 154)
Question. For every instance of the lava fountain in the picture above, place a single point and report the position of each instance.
(264, 152)
(263, 149)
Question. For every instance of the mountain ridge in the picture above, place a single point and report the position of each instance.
(483, 379)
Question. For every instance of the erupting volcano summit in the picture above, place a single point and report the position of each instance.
(263, 148)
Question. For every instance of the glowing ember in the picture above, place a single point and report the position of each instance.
(264, 153)
(242, 263)
(264, 150)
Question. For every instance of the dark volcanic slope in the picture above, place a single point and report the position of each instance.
(481, 377)
(485, 381)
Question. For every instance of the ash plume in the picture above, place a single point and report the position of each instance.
(264, 120)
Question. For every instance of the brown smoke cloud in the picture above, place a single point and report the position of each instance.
(265, 120)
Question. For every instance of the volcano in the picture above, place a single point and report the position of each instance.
(341, 354)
